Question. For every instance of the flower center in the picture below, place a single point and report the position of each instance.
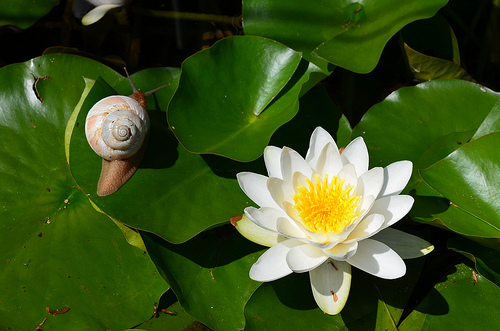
(326, 207)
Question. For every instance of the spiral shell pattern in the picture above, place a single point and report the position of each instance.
(116, 127)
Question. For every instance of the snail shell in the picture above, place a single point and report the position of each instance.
(117, 129)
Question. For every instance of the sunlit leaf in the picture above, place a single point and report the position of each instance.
(440, 115)
(237, 93)
(470, 179)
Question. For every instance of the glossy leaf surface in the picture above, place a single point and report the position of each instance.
(238, 92)
(412, 119)
(469, 178)
(57, 251)
(349, 34)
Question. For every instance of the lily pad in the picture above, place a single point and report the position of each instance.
(237, 93)
(469, 179)
(57, 251)
(349, 34)
(409, 121)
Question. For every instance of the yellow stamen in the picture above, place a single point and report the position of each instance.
(326, 207)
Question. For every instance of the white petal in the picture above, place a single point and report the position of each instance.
(396, 176)
(299, 180)
(320, 245)
(280, 191)
(272, 264)
(319, 138)
(330, 284)
(378, 259)
(406, 245)
(255, 187)
(329, 162)
(305, 257)
(366, 228)
(348, 173)
(291, 161)
(272, 159)
(365, 205)
(357, 154)
(341, 236)
(265, 217)
(290, 229)
(393, 208)
(371, 182)
(97, 13)
(342, 252)
(257, 234)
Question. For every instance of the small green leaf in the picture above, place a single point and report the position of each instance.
(433, 37)
(426, 67)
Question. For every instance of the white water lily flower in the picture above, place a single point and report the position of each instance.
(326, 213)
(101, 8)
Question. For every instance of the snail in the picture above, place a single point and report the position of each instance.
(117, 130)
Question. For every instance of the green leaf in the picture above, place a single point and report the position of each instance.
(409, 121)
(24, 13)
(470, 179)
(209, 274)
(486, 260)
(432, 37)
(171, 316)
(491, 123)
(159, 197)
(426, 67)
(349, 34)
(457, 303)
(238, 92)
(57, 251)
